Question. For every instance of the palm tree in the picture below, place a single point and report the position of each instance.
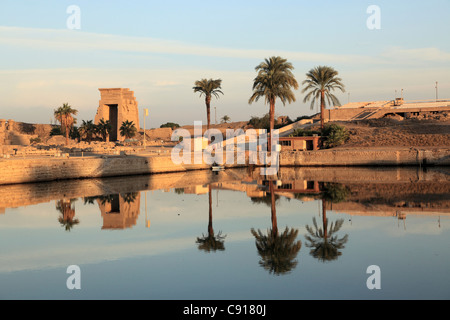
(87, 130)
(128, 129)
(320, 81)
(274, 80)
(67, 211)
(211, 242)
(64, 115)
(208, 88)
(129, 197)
(104, 129)
(324, 243)
(277, 250)
(225, 119)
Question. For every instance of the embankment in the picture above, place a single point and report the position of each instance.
(25, 170)
(368, 157)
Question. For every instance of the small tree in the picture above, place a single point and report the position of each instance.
(225, 119)
(104, 129)
(128, 129)
(87, 130)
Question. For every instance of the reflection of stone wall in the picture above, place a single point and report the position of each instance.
(117, 105)
(122, 215)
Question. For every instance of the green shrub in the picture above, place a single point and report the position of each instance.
(335, 192)
(335, 135)
(260, 123)
(56, 131)
(170, 125)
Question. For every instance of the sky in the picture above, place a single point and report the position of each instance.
(158, 49)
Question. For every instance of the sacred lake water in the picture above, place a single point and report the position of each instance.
(306, 233)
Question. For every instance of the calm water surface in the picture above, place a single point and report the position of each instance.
(305, 234)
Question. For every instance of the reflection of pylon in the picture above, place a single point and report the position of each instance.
(147, 221)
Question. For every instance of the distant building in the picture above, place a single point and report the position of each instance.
(299, 143)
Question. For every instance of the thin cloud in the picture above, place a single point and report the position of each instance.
(69, 40)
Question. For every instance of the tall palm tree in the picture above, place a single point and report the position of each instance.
(87, 130)
(208, 88)
(274, 80)
(277, 250)
(104, 129)
(128, 129)
(64, 115)
(320, 82)
(211, 242)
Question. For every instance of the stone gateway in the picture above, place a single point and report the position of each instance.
(117, 105)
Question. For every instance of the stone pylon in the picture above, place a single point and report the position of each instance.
(117, 105)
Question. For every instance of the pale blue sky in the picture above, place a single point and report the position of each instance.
(159, 48)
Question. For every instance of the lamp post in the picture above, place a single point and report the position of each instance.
(145, 115)
(436, 91)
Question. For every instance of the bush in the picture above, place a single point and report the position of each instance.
(170, 125)
(335, 192)
(260, 123)
(35, 140)
(336, 135)
(56, 131)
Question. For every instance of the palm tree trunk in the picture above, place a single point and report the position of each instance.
(208, 113)
(322, 109)
(271, 124)
(67, 136)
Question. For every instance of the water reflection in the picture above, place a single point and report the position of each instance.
(323, 210)
(119, 211)
(324, 243)
(278, 251)
(67, 209)
(211, 242)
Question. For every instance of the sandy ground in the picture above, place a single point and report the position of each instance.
(395, 133)
(388, 132)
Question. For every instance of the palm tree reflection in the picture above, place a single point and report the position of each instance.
(211, 242)
(67, 210)
(277, 250)
(324, 242)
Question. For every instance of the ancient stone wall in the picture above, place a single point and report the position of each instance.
(20, 133)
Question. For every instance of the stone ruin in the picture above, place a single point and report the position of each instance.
(117, 105)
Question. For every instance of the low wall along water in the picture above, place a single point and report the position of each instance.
(24, 170)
